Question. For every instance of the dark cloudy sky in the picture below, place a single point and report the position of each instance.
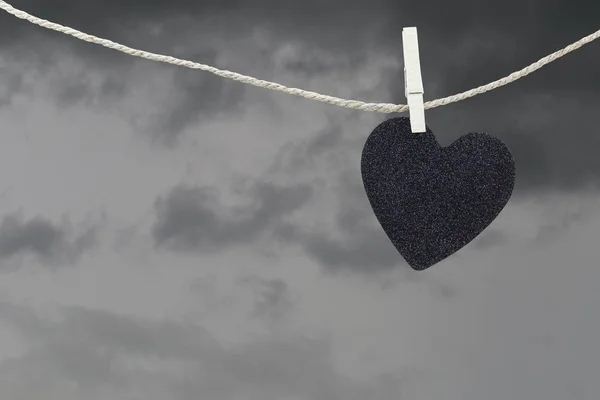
(167, 234)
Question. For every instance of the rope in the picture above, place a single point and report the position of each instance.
(352, 104)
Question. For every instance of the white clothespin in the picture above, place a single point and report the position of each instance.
(413, 83)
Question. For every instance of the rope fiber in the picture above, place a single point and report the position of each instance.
(352, 104)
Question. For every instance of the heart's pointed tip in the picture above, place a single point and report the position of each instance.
(420, 268)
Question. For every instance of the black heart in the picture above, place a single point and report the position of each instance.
(430, 200)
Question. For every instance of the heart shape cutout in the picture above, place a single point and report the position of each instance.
(430, 200)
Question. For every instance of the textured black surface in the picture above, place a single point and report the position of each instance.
(431, 200)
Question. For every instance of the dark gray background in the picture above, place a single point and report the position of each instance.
(170, 234)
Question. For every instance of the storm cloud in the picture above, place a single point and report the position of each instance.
(192, 217)
(71, 351)
(47, 241)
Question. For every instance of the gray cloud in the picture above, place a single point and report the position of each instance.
(92, 353)
(365, 251)
(79, 88)
(272, 298)
(13, 85)
(199, 97)
(191, 218)
(49, 242)
(490, 238)
(560, 219)
(301, 155)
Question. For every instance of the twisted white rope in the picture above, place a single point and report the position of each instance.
(353, 104)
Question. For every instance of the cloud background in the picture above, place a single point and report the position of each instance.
(169, 234)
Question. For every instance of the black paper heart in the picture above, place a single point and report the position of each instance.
(431, 200)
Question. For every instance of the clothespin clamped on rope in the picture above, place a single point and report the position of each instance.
(413, 83)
